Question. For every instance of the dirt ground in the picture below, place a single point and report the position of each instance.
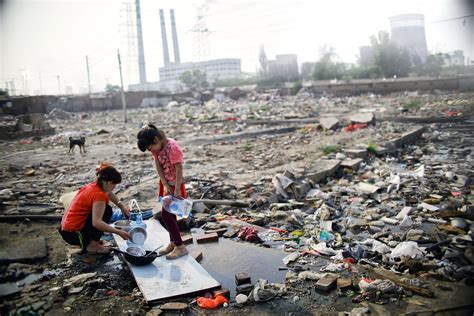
(243, 166)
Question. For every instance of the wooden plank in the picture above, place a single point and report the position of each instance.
(167, 278)
(397, 279)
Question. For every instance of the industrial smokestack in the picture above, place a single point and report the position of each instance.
(166, 54)
(141, 52)
(175, 38)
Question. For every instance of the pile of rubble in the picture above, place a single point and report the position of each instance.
(369, 200)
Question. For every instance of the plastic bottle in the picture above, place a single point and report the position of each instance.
(181, 208)
(139, 220)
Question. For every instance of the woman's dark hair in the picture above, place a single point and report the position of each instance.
(146, 136)
(106, 172)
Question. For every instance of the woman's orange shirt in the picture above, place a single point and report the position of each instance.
(81, 206)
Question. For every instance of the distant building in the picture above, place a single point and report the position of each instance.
(170, 74)
(408, 31)
(454, 58)
(284, 65)
(366, 55)
(307, 69)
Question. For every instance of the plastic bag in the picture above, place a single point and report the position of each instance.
(210, 303)
(323, 249)
(291, 257)
(179, 207)
(380, 247)
(406, 249)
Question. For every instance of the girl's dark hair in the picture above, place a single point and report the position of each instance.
(146, 136)
(106, 172)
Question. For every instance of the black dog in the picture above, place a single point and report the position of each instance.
(77, 142)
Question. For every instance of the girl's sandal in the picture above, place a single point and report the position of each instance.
(167, 250)
(176, 253)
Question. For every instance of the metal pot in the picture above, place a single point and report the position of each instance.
(122, 225)
(137, 235)
(148, 258)
(135, 251)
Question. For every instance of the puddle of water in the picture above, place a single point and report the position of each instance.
(14, 287)
(225, 258)
(115, 262)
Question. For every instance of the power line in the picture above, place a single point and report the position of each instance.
(453, 19)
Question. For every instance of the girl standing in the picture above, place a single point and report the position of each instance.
(85, 221)
(169, 165)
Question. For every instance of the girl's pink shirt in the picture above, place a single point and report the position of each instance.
(167, 157)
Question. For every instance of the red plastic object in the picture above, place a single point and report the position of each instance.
(456, 193)
(26, 141)
(210, 303)
(349, 260)
(354, 127)
(281, 231)
(231, 119)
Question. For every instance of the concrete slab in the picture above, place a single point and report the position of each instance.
(322, 169)
(405, 211)
(367, 188)
(167, 278)
(356, 153)
(362, 118)
(32, 249)
(329, 122)
(351, 163)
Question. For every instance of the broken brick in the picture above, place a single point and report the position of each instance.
(197, 255)
(207, 238)
(244, 289)
(219, 231)
(187, 239)
(242, 278)
(222, 291)
(326, 283)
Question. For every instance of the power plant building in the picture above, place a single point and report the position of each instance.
(408, 31)
(171, 72)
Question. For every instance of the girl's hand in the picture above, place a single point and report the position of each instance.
(177, 192)
(167, 189)
(126, 212)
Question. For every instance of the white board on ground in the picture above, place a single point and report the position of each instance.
(167, 278)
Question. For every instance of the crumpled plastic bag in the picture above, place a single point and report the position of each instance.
(333, 267)
(380, 247)
(407, 249)
(384, 286)
(263, 291)
(211, 303)
(394, 185)
(291, 257)
(365, 285)
(323, 249)
(310, 275)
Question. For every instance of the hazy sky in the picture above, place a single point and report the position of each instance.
(44, 39)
